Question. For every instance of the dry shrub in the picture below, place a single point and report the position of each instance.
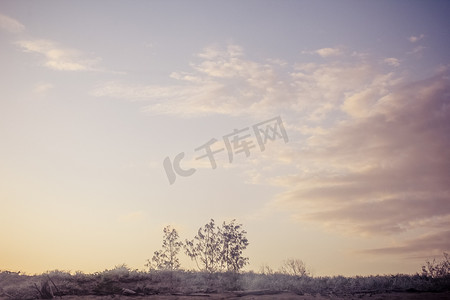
(437, 269)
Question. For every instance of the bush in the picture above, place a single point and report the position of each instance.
(437, 269)
(294, 267)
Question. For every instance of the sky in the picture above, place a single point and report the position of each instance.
(108, 110)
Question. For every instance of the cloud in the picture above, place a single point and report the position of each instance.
(423, 246)
(11, 25)
(384, 168)
(417, 50)
(364, 102)
(392, 61)
(221, 82)
(57, 57)
(326, 52)
(319, 88)
(224, 81)
(414, 39)
(42, 88)
(368, 153)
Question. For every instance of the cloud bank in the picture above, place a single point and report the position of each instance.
(382, 171)
(371, 151)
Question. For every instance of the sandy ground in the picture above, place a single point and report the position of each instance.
(282, 296)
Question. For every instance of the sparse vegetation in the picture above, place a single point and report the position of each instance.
(166, 258)
(233, 243)
(437, 269)
(219, 254)
(294, 267)
(204, 249)
(124, 281)
(218, 248)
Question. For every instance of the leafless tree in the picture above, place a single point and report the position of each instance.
(295, 267)
(166, 258)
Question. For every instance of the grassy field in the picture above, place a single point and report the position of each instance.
(122, 282)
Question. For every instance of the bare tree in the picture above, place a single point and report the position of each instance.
(166, 258)
(295, 267)
(266, 270)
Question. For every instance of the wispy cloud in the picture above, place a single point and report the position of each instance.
(326, 52)
(423, 246)
(222, 82)
(59, 58)
(42, 88)
(55, 56)
(11, 25)
(392, 61)
(417, 50)
(414, 39)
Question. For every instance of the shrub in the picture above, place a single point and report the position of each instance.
(294, 267)
(437, 269)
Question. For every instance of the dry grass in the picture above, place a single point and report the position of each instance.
(122, 281)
